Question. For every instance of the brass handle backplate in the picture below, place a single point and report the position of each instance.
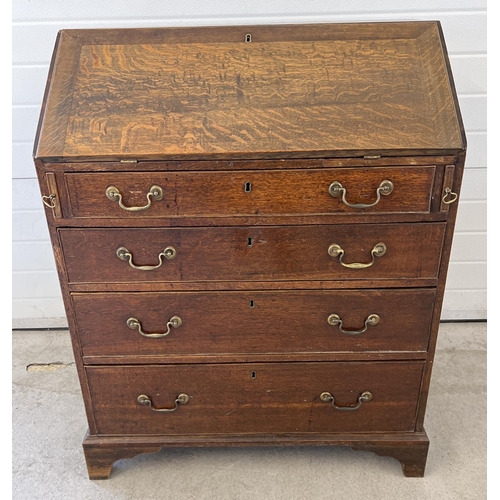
(135, 324)
(155, 193)
(363, 398)
(371, 320)
(145, 401)
(123, 254)
(336, 189)
(378, 250)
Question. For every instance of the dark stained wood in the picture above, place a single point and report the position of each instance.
(412, 458)
(409, 448)
(61, 271)
(290, 109)
(53, 191)
(100, 459)
(440, 289)
(260, 397)
(232, 165)
(227, 286)
(57, 102)
(254, 254)
(255, 220)
(216, 286)
(207, 93)
(253, 322)
(273, 192)
(257, 358)
(447, 184)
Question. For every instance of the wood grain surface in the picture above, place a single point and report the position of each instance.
(254, 193)
(410, 448)
(253, 322)
(260, 397)
(244, 139)
(252, 253)
(327, 91)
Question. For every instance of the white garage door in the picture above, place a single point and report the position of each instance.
(36, 297)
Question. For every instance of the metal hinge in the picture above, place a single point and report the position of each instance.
(128, 161)
(371, 157)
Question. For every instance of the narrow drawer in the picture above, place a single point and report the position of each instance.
(209, 323)
(260, 398)
(253, 253)
(250, 193)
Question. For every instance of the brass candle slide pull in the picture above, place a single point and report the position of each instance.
(123, 254)
(49, 201)
(363, 398)
(145, 401)
(336, 189)
(155, 193)
(452, 196)
(371, 320)
(378, 250)
(135, 324)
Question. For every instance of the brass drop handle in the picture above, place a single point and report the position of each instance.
(336, 189)
(135, 324)
(50, 201)
(145, 401)
(378, 250)
(123, 254)
(363, 398)
(452, 196)
(371, 320)
(155, 193)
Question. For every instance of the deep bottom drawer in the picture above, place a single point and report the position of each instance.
(255, 397)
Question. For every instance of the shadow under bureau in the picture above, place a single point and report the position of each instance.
(252, 227)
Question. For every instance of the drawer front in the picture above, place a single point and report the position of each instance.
(252, 253)
(261, 398)
(128, 324)
(250, 193)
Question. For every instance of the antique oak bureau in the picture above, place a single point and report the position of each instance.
(252, 227)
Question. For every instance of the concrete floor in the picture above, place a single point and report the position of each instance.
(49, 425)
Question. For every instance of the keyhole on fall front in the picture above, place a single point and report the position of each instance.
(250, 242)
(251, 304)
(248, 187)
(253, 375)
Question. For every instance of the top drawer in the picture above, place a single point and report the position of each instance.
(250, 193)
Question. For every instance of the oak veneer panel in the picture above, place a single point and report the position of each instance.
(253, 322)
(273, 192)
(210, 94)
(255, 397)
(252, 253)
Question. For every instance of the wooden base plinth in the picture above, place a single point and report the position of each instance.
(410, 448)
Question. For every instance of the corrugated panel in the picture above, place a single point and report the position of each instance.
(29, 10)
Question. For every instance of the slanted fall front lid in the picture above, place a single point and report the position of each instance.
(283, 92)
